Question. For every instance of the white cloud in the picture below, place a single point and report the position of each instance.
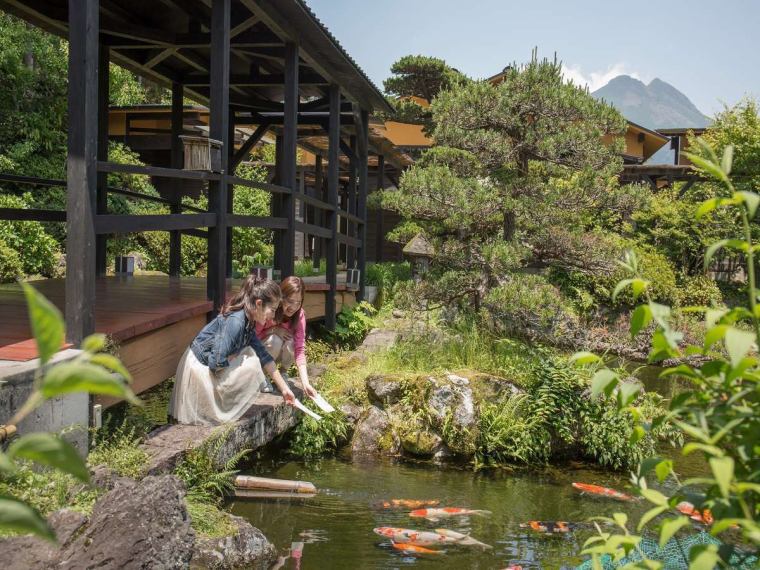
(596, 79)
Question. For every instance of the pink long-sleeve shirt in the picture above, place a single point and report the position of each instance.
(299, 335)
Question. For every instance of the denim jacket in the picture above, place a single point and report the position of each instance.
(225, 336)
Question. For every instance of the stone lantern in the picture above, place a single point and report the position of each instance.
(419, 252)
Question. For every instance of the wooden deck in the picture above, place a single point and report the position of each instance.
(151, 319)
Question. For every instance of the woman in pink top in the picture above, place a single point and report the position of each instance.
(285, 336)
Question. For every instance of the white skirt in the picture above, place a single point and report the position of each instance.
(202, 397)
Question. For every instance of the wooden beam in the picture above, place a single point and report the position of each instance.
(158, 171)
(244, 25)
(268, 222)
(379, 231)
(27, 215)
(362, 151)
(219, 108)
(177, 159)
(126, 223)
(81, 171)
(247, 146)
(332, 198)
(316, 253)
(241, 80)
(351, 228)
(101, 242)
(159, 57)
(289, 157)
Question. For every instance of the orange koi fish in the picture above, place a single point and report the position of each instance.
(462, 539)
(409, 536)
(704, 517)
(435, 514)
(409, 503)
(602, 491)
(547, 527)
(414, 549)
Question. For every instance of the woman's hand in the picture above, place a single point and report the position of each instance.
(283, 333)
(288, 396)
(309, 389)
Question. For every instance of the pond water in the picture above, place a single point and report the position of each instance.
(335, 526)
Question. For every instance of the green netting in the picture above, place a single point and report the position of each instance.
(675, 554)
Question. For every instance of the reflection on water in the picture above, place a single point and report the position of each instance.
(335, 527)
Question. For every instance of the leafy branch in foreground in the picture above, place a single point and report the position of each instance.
(92, 371)
(719, 413)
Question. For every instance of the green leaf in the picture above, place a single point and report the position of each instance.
(706, 207)
(71, 377)
(714, 334)
(17, 516)
(636, 435)
(728, 159)
(6, 465)
(663, 469)
(628, 392)
(604, 380)
(655, 497)
(621, 519)
(638, 286)
(751, 201)
(46, 322)
(712, 250)
(48, 449)
(670, 527)
(704, 557)
(712, 316)
(94, 343)
(110, 362)
(649, 515)
(640, 318)
(738, 344)
(584, 357)
(704, 447)
(723, 471)
(708, 166)
(619, 287)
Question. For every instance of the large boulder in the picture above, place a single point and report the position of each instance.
(248, 549)
(452, 405)
(384, 390)
(421, 443)
(135, 525)
(31, 552)
(372, 435)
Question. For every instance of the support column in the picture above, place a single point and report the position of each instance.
(101, 241)
(362, 151)
(380, 232)
(332, 199)
(275, 203)
(230, 146)
(319, 214)
(289, 157)
(177, 161)
(81, 170)
(219, 106)
(351, 260)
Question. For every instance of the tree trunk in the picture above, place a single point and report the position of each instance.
(509, 225)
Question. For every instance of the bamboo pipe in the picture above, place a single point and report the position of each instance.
(265, 484)
(7, 432)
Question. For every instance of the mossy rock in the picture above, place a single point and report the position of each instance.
(422, 443)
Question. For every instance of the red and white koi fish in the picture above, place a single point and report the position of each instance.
(409, 503)
(704, 517)
(462, 539)
(513, 567)
(602, 491)
(547, 527)
(409, 536)
(414, 549)
(435, 514)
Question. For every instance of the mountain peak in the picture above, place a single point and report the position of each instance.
(655, 106)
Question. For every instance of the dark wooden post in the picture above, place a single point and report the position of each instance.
(379, 237)
(289, 156)
(177, 161)
(332, 198)
(219, 106)
(230, 146)
(81, 170)
(101, 241)
(275, 202)
(351, 260)
(362, 151)
(319, 214)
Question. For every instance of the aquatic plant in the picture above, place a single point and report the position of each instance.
(312, 438)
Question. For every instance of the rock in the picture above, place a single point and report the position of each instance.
(379, 339)
(249, 548)
(372, 436)
(452, 404)
(422, 443)
(398, 314)
(135, 525)
(384, 390)
(315, 370)
(106, 478)
(32, 552)
(457, 380)
(352, 412)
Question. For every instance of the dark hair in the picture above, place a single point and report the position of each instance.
(290, 286)
(253, 289)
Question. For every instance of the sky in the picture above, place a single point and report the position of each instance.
(708, 49)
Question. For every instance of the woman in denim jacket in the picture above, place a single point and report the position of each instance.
(222, 372)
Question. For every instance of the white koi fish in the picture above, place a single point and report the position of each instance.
(409, 536)
(445, 512)
(462, 539)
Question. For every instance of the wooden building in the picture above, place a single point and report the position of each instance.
(260, 67)
(679, 142)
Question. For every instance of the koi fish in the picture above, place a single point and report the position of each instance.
(414, 549)
(408, 536)
(409, 503)
(513, 567)
(602, 491)
(547, 527)
(463, 539)
(704, 517)
(435, 514)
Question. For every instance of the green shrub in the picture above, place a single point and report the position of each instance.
(35, 248)
(312, 438)
(305, 267)
(656, 269)
(528, 306)
(385, 276)
(10, 264)
(353, 324)
(700, 290)
(120, 450)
